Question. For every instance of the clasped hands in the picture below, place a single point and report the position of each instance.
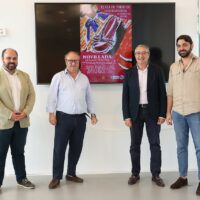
(17, 116)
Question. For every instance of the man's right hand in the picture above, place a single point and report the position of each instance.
(128, 122)
(169, 119)
(14, 116)
(52, 119)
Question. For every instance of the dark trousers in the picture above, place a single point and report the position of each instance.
(153, 131)
(69, 129)
(16, 139)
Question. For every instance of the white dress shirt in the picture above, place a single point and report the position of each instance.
(68, 95)
(15, 86)
(142, 75)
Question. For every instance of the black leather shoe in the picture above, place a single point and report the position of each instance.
(75, 179)
(180, 182)
(133, 179)
(158, 181)
(198, 190)
(54, 183)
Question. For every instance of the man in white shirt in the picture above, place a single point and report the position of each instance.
(144, 102)
(17, 98)
(70, 98)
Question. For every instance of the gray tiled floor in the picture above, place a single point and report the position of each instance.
(101, 187)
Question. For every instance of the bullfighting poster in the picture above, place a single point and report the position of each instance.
(105, 41)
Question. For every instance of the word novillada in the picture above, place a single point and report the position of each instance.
(97, 56)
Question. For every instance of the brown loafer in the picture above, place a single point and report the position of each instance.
(74, 179)
(54, 183)
(158, 181)
(180, 182)
(133, 179)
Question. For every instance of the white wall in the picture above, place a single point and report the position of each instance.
(106, 145)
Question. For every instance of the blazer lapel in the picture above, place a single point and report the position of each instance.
(135, 77)
(23, 83)
(149, 76)
(7, 85)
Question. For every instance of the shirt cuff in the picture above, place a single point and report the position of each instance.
(127, 119)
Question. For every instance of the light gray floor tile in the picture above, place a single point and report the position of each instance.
(101, 187)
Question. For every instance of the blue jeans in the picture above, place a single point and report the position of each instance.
(182, 125)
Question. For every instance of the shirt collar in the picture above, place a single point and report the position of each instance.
(142, 70)
(66, 72)
(193, 58)
(15, 73)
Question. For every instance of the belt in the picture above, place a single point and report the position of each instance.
(72, 115)
(143, 105)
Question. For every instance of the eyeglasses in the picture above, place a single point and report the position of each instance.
(72, 61)
(137, 53)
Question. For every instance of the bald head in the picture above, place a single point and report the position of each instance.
(72, 53)
(8, 49)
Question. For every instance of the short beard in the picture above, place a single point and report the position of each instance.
(10, 67)
(185, 53)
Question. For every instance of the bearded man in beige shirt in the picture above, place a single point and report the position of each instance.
(184, 106)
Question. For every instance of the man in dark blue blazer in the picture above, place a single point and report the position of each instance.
(144, 102)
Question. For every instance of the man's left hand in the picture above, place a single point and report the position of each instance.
(161, 120)
(94, 119)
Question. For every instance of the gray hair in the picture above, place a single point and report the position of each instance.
(143, 45)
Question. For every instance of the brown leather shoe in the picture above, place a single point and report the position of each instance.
(198, 190)
(54, 183)
(158, 181)
(180, 182)
(74, 179)
(133, 179)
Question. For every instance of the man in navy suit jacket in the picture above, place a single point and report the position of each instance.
(144, 101)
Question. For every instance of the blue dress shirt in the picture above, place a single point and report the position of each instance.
(68, 95)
